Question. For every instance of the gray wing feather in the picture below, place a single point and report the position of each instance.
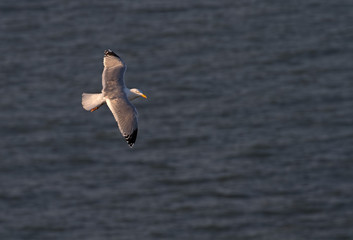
(126, 116)
(113, 91)
(113, 75)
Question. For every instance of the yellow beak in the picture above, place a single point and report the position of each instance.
(143, 95)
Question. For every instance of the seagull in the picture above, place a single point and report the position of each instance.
(117, 96)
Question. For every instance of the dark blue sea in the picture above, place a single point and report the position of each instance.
(247, 132)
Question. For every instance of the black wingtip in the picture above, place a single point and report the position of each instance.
(109, 52)
(131, 139)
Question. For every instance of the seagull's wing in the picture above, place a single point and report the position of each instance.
(113, 75)
(126, 116)
(113, 91)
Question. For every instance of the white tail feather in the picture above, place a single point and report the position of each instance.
(92, 100)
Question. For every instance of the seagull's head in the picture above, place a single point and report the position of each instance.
(135, 93)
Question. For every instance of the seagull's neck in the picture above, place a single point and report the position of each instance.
(130, 95)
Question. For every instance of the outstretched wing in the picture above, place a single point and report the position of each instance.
(126, 116)
(113, 75)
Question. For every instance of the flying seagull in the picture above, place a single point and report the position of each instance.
(116, 95)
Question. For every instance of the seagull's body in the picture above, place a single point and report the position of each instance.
(117, 96)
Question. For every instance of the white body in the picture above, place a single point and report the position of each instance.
(95, 100)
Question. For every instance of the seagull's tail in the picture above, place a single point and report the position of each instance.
(92, 101)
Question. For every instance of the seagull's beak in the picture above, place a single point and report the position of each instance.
(143, 95)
